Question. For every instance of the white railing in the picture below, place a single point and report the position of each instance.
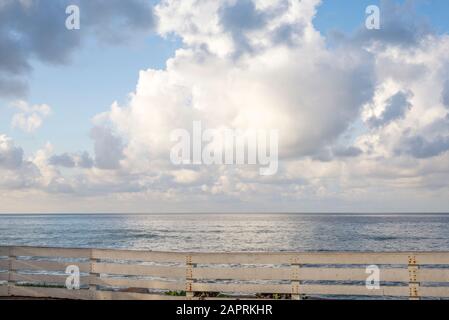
(126, 274)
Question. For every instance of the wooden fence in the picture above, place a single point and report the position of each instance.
(124, 274)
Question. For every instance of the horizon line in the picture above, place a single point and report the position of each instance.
(222, 213)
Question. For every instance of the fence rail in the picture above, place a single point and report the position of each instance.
(126, 274)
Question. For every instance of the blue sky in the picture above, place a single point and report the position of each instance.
(345, 15)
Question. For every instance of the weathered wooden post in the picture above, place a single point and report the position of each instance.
(189, 277)
(295, 279)
(93, 276)
(413, 270)
(11, 271)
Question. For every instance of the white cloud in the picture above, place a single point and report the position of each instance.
(29, 118)
(11, 157)
(278, 86)
(16, 172)
(108, 148)
(186, 176)
(68, 160)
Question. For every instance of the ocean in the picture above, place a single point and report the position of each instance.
(230, 232)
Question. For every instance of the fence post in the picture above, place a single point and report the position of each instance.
(189, 277)
(413, 269)
(92, 276)
(11, 271)
(295, 279)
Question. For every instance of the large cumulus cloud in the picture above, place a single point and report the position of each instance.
(364, 103)
(289, 86)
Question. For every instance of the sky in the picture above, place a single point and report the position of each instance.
(86, 115)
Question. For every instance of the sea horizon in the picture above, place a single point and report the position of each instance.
(230, 213)
(230, 231)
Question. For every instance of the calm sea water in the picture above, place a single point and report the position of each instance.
(230, 232)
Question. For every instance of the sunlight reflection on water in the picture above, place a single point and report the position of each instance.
(230, 232)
